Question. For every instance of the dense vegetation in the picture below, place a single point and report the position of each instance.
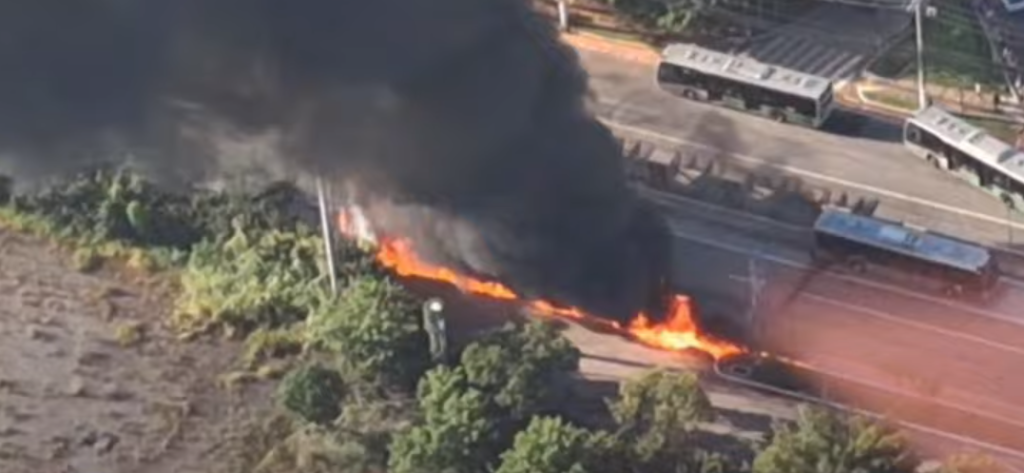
(362, 393)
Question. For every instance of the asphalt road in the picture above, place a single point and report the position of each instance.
(933, 352)
(857, 153)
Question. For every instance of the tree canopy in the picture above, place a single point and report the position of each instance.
(551, 445)
(824, 440)
(523, 368)
(313, 393)
(456, 426)
(374, 327)
(657, 414)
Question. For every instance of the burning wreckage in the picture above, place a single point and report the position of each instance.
(472, 114)
(675, 330)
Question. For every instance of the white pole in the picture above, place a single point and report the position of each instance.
(563, 15)
(756, 284)
(922, 95)
(325, 224)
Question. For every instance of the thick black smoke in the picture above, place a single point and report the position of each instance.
(467, 116)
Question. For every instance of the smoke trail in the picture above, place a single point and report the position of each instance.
(465, 116)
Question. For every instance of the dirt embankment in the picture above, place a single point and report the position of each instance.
(90, 381)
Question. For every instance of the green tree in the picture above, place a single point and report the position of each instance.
(523, 368)
(138, 217)
(550, 445)
(253, 279)
(657, 414)
(661, 16)
(456, 423)
(375, 327)
(313, 393)
(824, 440)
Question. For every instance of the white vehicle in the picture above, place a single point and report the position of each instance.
(952, 144)
(784, 95)
(1013, 5)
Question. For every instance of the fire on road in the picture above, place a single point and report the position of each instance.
(678, 330)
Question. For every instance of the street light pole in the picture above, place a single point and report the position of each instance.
(434, 324)
(325, 224)
(563, 15)
(755, 285)
(922, 95)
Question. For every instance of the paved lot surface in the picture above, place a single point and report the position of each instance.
(857, 153)
(833, 40)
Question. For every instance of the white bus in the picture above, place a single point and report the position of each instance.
(1013, 5)
(857, 241)
(784, 95)
(969, 152)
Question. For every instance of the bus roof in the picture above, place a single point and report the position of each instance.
(972, 140)
(746, 70)
(897, 237)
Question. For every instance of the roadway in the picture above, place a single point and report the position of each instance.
(884, 334)
(938, 354)
(857, 153)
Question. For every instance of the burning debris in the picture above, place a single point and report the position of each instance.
(677, 330)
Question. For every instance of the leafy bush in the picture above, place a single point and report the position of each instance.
(550, 445)
(313, 393)
(660, 16)
(116, 205)
(523, 368)
(272, 278)
(376, 329)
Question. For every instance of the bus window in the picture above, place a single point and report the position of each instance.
(1016, 188)
(1000, 180)
(671, 73)
(825, 103)
(913, 133)
(803, 106)
(923, 138)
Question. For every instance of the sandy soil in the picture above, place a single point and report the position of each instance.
(75, 398)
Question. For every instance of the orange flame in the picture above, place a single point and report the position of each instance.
(678, 332)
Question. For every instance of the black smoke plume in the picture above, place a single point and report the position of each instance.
(465, 116)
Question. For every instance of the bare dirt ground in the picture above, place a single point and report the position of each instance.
(74, 398)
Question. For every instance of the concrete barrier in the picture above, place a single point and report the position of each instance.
(747, 223)
(651, 167)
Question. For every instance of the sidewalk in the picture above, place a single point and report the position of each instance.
(625, 50)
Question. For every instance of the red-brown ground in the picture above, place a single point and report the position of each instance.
(73, 398)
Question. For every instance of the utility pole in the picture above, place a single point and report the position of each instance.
(756, 284)
(563, 15)
(922, 94)
(325, 224)
(921, 10)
